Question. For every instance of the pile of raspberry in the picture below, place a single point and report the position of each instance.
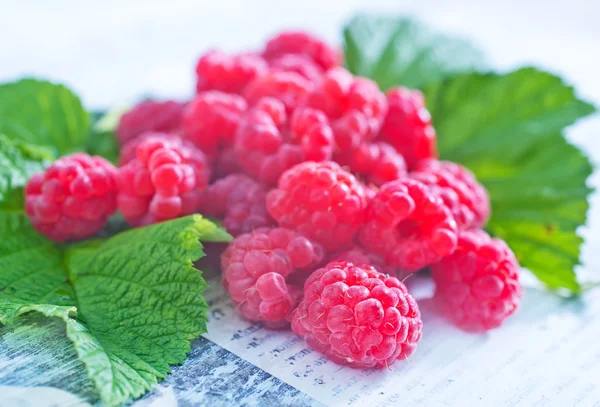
(331, 187)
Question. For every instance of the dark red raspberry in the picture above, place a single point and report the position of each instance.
(302, 43)
(267, 143)
(355, 106)
(226, 163)
(167, 179)
(467, 199)
(211, 119)
(478, 285)
(408, 127)
(320, 200)
(257, 267)
(228, 73)
(240, 202)
(73, 198)
(297, 63)
(375, 163)
(289, 87)
(149, 116)
(409, 225)
(357, 316)
(359, 255)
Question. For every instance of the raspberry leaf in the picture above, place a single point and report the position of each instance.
(507, 128)
(44, 114)
(399, 51)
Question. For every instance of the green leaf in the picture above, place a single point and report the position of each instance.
(508, 130)
(103, 139)
(137, 297)
(399, 51)
(44, 114)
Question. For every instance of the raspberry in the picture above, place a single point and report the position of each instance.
(468, 200)
(357, 316)
(211, 119)
(355, 106)
(297, 63)
(127, 152)
(149, 116)
(289, 87)
(166, 180)
(257, 269)
(321, 200)
(240, 201)
(301, 43)
(375, 163)
(359, 255)
(73, 198)
(409, 225)
(267, 143)
(407, 126)
(228, 73)
(226, 163)
(478, 285)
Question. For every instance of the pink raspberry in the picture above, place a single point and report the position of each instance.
(267, 143)
(478, 285)
(409, 225)
(128, 149)
(228, 73)
(407, 126)
(302, 43)
(240, 201)
(298, 63)
(467, 199)
(355, 106)
(211, 119)
(357, 316)
(73, 198)
(375, 163)
(149, 116)
(166, 180)
(289, 87)
(359, 255)
(257, 269)
(320, 200)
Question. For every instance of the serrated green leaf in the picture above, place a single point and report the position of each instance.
(507, 130)
(400, 51)
(45, 114)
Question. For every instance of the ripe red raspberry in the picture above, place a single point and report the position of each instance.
(127, 152)
(467, 199)
(166, 180)
(359, 255)
(320, 200)
(357, 316)
(478, 285)
(409, 225)
(267, 143)
(355, 106)
(289, 87)
(149, 116)
(302, 43)
(228, 73)
(73, 198)
(211, 119)
(297, 63)
(257, 268)
(407, 126)
(375, 163)
(240, 201)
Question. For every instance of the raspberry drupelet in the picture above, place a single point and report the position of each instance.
(257, 269)
(290, 88)
(321, 200)
(355, 106)
(128, 149)
(149, 116)
(166, 180)
(268, 142)
(228, 73)
(408, 224)
(408, 127)
(375, 163)
(467, 199)
(73, 198)
(240, 201)
(478, 285)
(357, 316)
